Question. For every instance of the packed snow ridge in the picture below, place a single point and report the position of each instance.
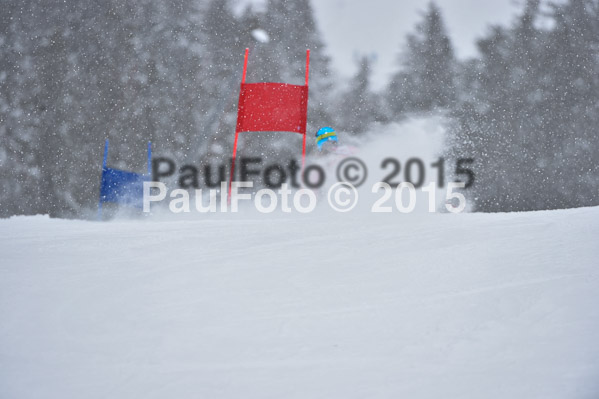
(314, 306)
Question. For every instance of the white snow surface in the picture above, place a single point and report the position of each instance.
(302, 306)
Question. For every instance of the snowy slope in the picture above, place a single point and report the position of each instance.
(317, 306)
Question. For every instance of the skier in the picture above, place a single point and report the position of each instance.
(326, 135)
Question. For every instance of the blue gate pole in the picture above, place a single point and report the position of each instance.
(150, 159)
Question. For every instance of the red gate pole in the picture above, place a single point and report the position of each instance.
(245, 67)
(304, 139)
(304, 152)
(307, 65)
